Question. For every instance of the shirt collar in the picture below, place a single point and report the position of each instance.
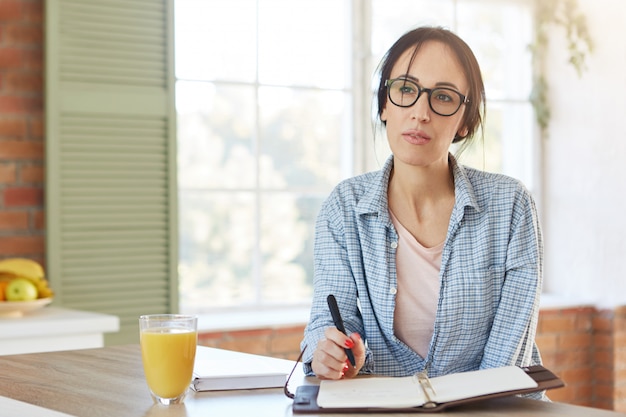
(375, 199)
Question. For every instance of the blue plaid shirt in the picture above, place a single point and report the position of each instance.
(491, 275)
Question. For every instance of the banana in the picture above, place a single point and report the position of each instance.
(23, 267)
(12, 268)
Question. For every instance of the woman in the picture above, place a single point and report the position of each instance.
(434, 265)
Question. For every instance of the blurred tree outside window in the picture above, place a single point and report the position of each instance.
(267, 126)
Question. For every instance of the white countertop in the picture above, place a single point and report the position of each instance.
(56, 320)
(53, 328)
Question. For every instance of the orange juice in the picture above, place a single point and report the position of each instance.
(168, 355)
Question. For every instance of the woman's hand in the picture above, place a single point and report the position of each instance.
(330, 360)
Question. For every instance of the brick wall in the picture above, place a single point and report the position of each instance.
(22, 213)
(584, 346)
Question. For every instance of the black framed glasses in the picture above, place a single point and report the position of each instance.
(443, 101)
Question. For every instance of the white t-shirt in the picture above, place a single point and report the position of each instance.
(417, 270)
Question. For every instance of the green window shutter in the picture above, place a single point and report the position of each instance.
(110, 158)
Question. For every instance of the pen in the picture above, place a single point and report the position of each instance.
(334, 311)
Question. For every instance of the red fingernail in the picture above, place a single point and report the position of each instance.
(345, 367)
(349, 343)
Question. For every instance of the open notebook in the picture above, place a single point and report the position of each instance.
(420, 393)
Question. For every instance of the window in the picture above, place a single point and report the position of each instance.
(274, 108)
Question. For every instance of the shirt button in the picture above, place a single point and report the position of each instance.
(393, 290)
(394, 245)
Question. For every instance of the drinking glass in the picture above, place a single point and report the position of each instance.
(168, 351)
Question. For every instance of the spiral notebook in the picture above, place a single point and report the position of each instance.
(418, 393)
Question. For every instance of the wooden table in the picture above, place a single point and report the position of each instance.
(110, 382)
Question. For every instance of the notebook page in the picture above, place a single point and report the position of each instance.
(475, 383)
(385, 392)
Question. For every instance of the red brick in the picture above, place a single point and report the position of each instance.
(584, 319)
(603, 321)
(285, 343)
(23, 35)
(23, 82)
(13, 127)
(21, 245)
(32, 12)
(557, 323)
(251, 333)
(575, 341)
(604, 405)
(212, 335)
(549, 360)
(7, 173)
(255, 345)
(573, 358)
(603, 341)
(208, 342)
(21, 149)
(39, 220)
(20, 105)
(604, 391)
(10, 58)
(30, 174)
(32, 60)
(584, 395)
(10, 10)
(290, 329)
(37, 127)
(603, 358)
(603, 375)
(13, 220)
(563, 395)
(23, 196)
(576, 376)
(546, 342)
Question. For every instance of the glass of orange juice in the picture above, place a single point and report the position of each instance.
(168, 351)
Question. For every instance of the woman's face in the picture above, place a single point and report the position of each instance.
(417, 135)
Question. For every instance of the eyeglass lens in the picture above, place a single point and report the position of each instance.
(443, 101)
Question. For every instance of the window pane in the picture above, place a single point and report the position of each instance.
(216, 129)
(301, 137)
(215, 39)
(287, 231)
(499, 34)
(507, 147)
(217, 241)
(392, 18)
(305, 43)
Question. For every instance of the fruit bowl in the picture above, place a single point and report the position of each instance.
(19, 308)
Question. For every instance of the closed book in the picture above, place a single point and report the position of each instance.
(217, 369)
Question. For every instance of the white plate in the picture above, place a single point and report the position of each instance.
(19, 308)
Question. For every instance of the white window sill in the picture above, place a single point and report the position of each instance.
(556, 301)
(252, 319)
(298, 316)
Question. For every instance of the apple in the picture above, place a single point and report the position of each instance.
(21, 289)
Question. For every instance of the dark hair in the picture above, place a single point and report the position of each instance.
(475, 109)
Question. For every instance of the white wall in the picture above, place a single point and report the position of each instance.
(583, 208)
